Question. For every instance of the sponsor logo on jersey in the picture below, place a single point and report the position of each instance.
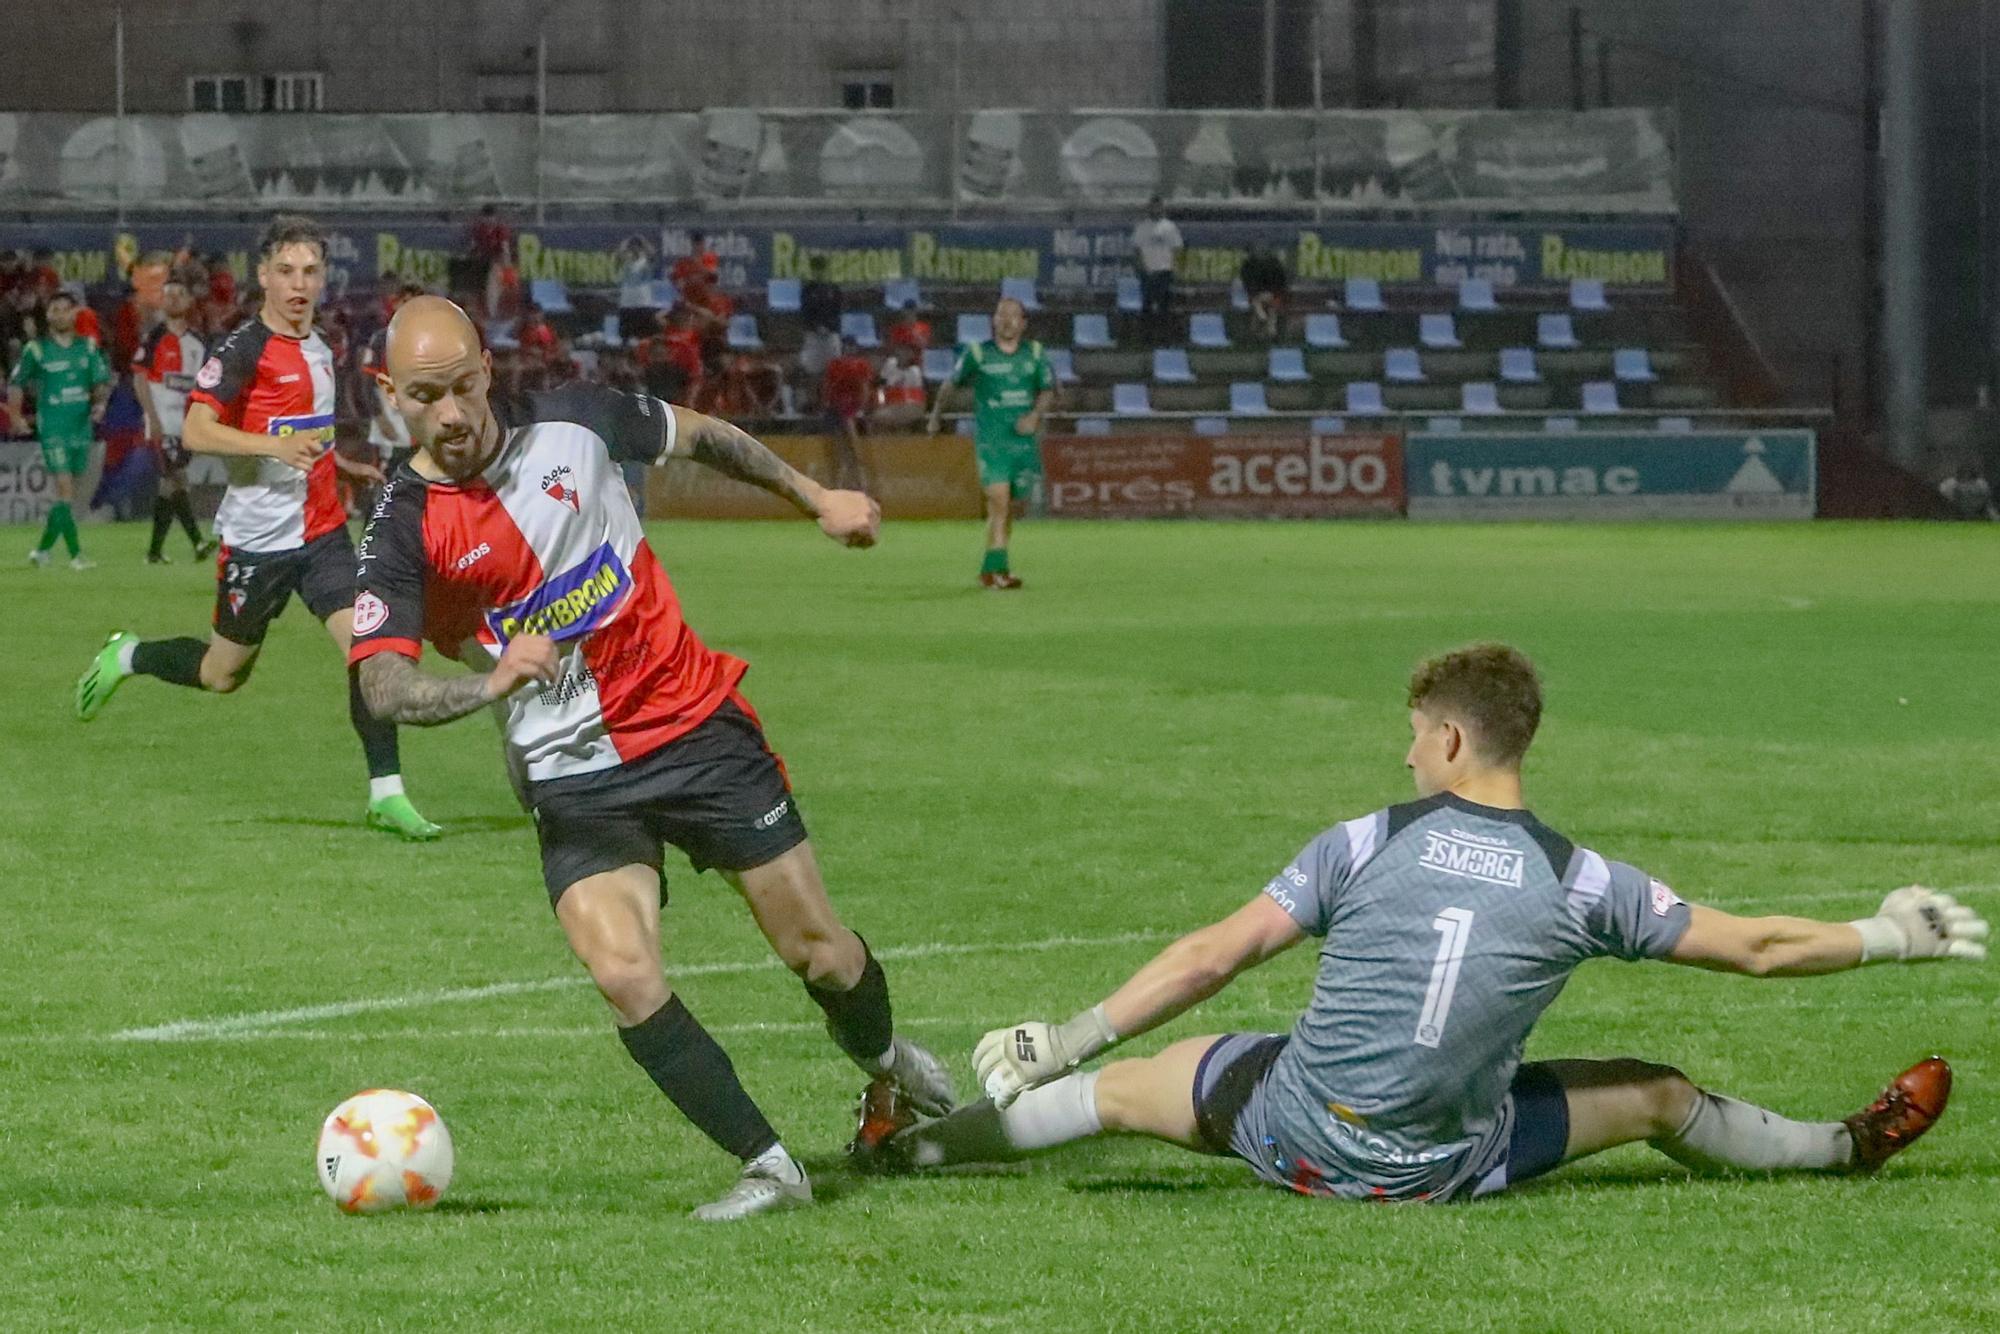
(559, 483)
(1664, 899)
(210, 374)
(570, 605)
(293, 378)
(474, 556)
(1281, 887)
(1473, 857)
(370, 612)
(317, 424)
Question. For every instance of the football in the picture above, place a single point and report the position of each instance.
(384, 1149)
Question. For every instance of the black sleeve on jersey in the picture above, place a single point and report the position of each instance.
(638, 428)
(390, 583)
(148, 350)
(227, 373)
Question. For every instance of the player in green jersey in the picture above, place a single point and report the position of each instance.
(71, 384)
(1012, 390)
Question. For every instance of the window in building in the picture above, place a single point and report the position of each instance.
(219, 92)
(294, 92)
(868, 90)
(247, 92)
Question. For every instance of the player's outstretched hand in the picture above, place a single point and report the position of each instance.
(1012, 1060)
(300, 449)
(526, 659)
(1916, 923)
(851, 518)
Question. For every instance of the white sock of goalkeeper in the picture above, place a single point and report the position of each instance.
(1722, 1134)
(1041, 1118)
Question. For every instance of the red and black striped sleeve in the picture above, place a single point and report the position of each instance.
(225, 379)
(394, 574)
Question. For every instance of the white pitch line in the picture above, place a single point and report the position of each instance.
(184, 1030)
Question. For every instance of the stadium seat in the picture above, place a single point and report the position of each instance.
(858, 327)
(1561, 426)
(1364, 399)
(1477, 294)
(974, 328)
(1479, 398)
(608, 334)
(1206, 329)
(1093, 426)
(1437, 331)
(783, 295)
(1287, 366)
(500, 334)
(1600, 396)
(1364, 294)
(665, 295)
(1091, 332)
(1130, 400)
(1324, 331)
(1329, 425)
(1129, 297)
(1246, 399)
(1239, 295)
(939, 363)
(900, 292)
(1063, 363)
(965, 427)
(1556, 329)
(1633, 365)
(1400, 365)
(1444, 426)
(1021, 290)
(1675, 425)
(551, 295)
(1170, 366)
(743, 335)
(1517, 365)
(1211, 426)
(1587, 294)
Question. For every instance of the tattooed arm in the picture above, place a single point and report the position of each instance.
(396, 690)
(851, 517)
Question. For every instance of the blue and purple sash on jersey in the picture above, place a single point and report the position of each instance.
(570, 605)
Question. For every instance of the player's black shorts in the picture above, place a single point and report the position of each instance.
(252, 587)
(717, 793)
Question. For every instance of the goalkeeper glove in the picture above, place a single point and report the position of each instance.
(1915, 923)
(1010, 1061)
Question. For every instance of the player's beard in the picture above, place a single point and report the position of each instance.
(464, 454)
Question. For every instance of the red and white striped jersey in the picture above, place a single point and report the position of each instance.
(546, 541)
(268, 383)
(168, 362)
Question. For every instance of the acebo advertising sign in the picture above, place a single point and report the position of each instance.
(1232, 476)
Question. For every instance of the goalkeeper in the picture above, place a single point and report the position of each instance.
(1448, 924)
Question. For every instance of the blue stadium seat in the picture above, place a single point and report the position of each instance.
(858, 327)
(1632, 364)
(1437, 330)
(1477, 294)
(1444, 426)
(551, 295)
(743, 335)
(1562, 426)
(966, 427)
(1130, 400)
(1364, 294)
(1324, 331)
(1130, 299)
(1170, 366)
(783, 294)
(1400, 364)
(1239, 295)
(974, 328)
(1329, 425)
(939, 363)
(665, 295)
(1063, 364)
(608, 334)
(1556, 329)
(1092, 333)
(1364, 399)
(1093, 426)
(1600, 396)
(1021, 290)
(1287, 365)
(1211, 426)
(1675, 425)
(1587, 294)
(1478, 397)
(1206, 329)
(900, 292)
(1246, 399)
(500, 334)
(1517, 365)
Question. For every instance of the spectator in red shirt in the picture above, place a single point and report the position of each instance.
(489, 245)
(42, 275)
(911, 333)
(669, 363)
(700, 263)
(847, 391)
(539, 346)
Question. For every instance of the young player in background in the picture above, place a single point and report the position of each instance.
(1450, 924)
(71, 384)
(163, 375)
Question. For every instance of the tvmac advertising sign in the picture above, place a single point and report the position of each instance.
(1624, 475)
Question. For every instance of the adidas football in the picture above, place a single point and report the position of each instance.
(383, 1149)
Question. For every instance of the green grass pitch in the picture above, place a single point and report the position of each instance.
(1770, 718)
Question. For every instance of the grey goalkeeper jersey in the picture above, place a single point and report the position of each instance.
(1449, 928)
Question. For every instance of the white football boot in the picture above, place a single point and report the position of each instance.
(920, 1077)
(770, 1182)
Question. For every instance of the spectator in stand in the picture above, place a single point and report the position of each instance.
(1969, 493)
(847, 391)
(1267, 285)
(819, 309)
(910, 333)
(87, 324)
(219, 305)
(751, 388)
(489, 245)
(637, 267)
(42, 274)
(13, 271)
(1156, 248)
(539, 345)
(699, 262)
(902, 394)
(22, 317)
(669, 363)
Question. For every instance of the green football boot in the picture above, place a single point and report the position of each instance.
(397, 816)
(95, 687)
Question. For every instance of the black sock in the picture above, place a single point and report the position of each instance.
(695, 1074)
(175, 660)
(184, 511)
(378, 739)
(163, 517)
(859, 1017)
